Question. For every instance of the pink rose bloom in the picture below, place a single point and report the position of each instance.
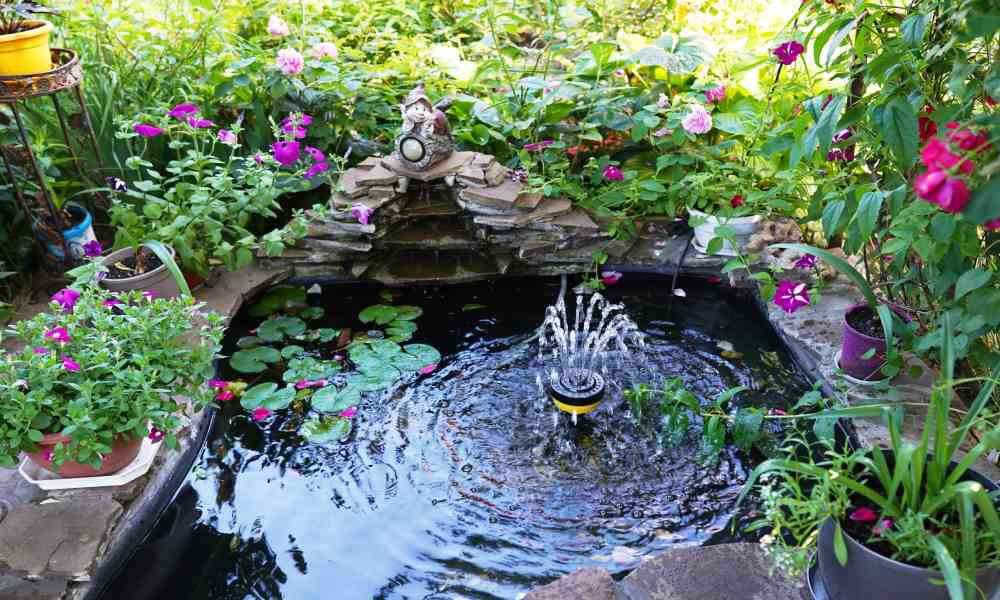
(938, 187)
(610, 277)
(286, 153)
(227, 137)
(325, 50)
(613, 173)
(715, 95)
(260, 413)
(147, 130)
(348, 413)
(697, 121)
(362, 213)
(277, 27)
(937, 155)
(791, 296)
(428, 369)
(289, 61)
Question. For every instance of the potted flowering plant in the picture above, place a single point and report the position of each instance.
(24, 40)
(203, 208)
(100, 372)
(150, 268)
(891, 523)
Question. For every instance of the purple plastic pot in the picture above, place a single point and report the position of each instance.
(855, 346)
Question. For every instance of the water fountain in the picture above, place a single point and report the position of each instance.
(583, 348)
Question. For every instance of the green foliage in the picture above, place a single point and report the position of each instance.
(131, 360)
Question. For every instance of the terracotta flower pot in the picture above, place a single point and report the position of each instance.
(123, 451)
(158, 280)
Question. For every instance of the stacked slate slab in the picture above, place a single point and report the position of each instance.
(464, 218)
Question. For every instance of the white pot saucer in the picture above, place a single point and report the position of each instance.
(50, 481)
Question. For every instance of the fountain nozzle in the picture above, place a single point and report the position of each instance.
(577, 391)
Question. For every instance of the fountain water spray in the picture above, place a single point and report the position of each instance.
(600, 331)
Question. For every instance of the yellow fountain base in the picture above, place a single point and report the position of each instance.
(573, 409)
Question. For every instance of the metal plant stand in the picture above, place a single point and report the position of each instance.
(66, 75)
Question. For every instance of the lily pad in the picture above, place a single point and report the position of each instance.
(292, 351)
(249, 341)
(275, 330)
(380, 314)
(278, 298)
(416, 357)
(254, 360)
(401, 328)
(385, 349)
(375, 378)
(307, 367)
(267, 395)
(326, 429)
(311, 313)
(332, 400)
(408, 313)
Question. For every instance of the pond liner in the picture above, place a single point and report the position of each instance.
(136, 531)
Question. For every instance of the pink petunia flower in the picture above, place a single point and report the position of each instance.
(66, 298)
(316, 154)
(277, 26)
(882, 527)
(736, 201)
(325, 50)
(199, 123)
(536, 146)
(937, 155)
(150, 294)
(183, 111)
(316, 169)
(218, 384)
(863, 515)
(70, 365)
(610, 277)
(286, 153)
(697, 121)
(260, 413)
(289, 61)
(40, 351)
(613, 173)
(428, 369)
(59, 334)
(361, 212)
(791, 296)
(992, 225)
(715, 95)
(788, 52)
(349, 413)
(111, 302)
(156, 435)
(227, 137)
(806, 261)
(938, 187)
(147, 130)
(47, 455)
(92, 249)
(225, 395)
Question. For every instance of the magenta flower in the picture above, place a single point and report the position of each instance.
(316, 169)
(882, 527)
(863, 515)
(156, 435)
(316, 154)
(147, 130)
(59, 334)
(791, 296)
(111, 302)
(992, 225)
(779, 412)
(428, 369)
(715, 95)
(286, 153)
(258, 158)
(662, 132)
(938, 187)
(697, 121)
(47, 455)
(70, 365)
(277, 27)
(183, 111)
(66, 298)
(92, 249)
(218, 384)
(736, 201)
(150, 294)
(348, 413)
(295, 125)
(199, 123)
(610, 277)
(260, 413)
(227, 137)
(938, 155)
(613, 173)
(310, 383)
(536, 146)
(806, 261)
(289, 61)
(788, 52)
(114, 183)
(225, 395)
(40, 351)
(361, 212)
(324, 50)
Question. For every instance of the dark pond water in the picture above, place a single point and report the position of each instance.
(465, 483)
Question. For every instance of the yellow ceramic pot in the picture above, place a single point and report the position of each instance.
(26, 52)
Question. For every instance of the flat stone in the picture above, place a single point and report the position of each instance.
(369, 163)
(377, 175)
(431, 235)
(449, 166)
(343, 246)
(492, 174)
(546, 211)
(349, 183)
(56, 539)
(528, 200)
(721, 572)
(499, 196)
(551, 253)
(431, 267)
(320, 271)
(586, 584)
(15, 588)
(226, 294)
(382, 192)
(577, 218)
(338, 228)
(342, 204)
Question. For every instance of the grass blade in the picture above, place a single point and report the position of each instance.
(164, 254)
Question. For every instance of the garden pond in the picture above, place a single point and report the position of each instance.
(455, 477)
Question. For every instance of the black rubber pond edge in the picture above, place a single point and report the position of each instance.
(140, 525)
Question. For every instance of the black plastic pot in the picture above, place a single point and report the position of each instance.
(869, 575)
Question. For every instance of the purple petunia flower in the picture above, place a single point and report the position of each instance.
(156, 435)
(58, 334)
(791, 296)
(147, 130)
(150, 294)
(198, 123)
(92, 249)
(316, 154)
(788, 52)
(183, 111)
(361, 212)
(316, 169)
(111, 302)
(66, 298)
(286, 153)
(70, 365)
(40, 351)
(610, 277)
(613, 173)
(115, 183)
(227, 137)
(806, 261)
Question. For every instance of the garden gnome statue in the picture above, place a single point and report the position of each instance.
(425, 138)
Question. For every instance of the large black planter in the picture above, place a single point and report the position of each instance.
(869, 575)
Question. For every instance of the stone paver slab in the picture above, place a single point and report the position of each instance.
(585, 584)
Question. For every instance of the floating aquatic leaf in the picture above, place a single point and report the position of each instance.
(254, 360)
(326, 429)
(311, 313)
(332, 400)
(276, 329)
(292, 351)
(380, 314)
(276, 299)
(248, 341)
(307, 367)
(267, 395)
(408, 313)
(385, 349)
